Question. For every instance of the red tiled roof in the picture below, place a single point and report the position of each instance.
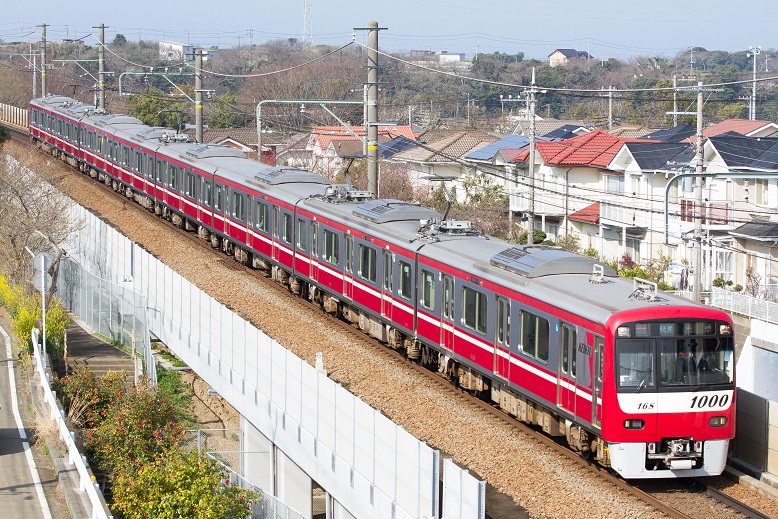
(589, 214)
(325, 134)
(595, 148)
(741, 126)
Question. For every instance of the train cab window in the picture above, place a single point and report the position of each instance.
(635, 364)
(219, 198)
(238, 206)
(286, 229)
(262, 216)
(302, 234)
(406, 280)
(428, 290)
(474, 309)
(331, 247)
(206, 194)
(534, 336)
(691, 361)
(367, 263)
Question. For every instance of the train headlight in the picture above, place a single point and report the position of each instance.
(725, 329)
(634, 423)
(622, 331)
(717, 421)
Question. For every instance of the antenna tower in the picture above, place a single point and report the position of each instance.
(307, 26)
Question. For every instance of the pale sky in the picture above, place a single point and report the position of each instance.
(607, 28)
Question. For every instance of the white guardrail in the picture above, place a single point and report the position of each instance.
(86, 478)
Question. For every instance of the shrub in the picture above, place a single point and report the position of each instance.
(180, 484)
(91, 397)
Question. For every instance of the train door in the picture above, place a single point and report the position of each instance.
(447, 314)
(314, 251)
(568, 367)
(348, 273)
(387, 295)
(502, 329)
(276, 231)
(597, 394)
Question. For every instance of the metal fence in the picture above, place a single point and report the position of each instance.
(113, 311)
(13, 116)
(745, 305)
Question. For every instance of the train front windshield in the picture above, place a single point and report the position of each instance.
(674, 356)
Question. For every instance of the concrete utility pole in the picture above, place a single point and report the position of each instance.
(101, 68)
(531, 160)
(754, 52)
(610, 107)
(698, 192)
(43, 61)
(372, 104)
(675, 100)
(199, 95)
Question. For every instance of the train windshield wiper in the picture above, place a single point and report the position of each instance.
(643, 381)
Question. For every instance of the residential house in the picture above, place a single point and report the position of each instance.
(745, 127)
(443, 158)
(565, 56)
(547, 126)
(570, 176)
(326, 159)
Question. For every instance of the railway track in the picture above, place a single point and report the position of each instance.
(672, 500)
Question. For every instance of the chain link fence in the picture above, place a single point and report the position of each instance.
(117, 313)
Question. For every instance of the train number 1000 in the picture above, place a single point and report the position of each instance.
(701, 402)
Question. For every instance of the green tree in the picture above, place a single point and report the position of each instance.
(119, 40)
(181, 484)
(156, 109)
(225, 114)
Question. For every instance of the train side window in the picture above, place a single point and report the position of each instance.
(315, 239)
(331, 247)
(474, 309)
(367, 263)
(206, 194)
(302, 235)
(219, 201)
(262, 215)
(238, 206)
(503, 320)
(138, 162)
(448, 297)
(406, 280)
(534, 336)
(349, 253)
(387, 260)
(160, 165)
(126, 157)
(286, 231)
(428, 290)
(173, 176)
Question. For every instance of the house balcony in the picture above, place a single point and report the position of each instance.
(547, 203)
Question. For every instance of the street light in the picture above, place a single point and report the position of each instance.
(754, 52)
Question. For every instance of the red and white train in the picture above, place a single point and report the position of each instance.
(639, 380)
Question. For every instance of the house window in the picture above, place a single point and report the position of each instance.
(724, 264)
(474, 309)
(367, 263)
(687, 210)
(633, 248)
(760, 191)
(614, 184)
(331, 246)
(428, 290)
(534, 336)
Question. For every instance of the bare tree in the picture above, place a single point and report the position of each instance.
(29, 203)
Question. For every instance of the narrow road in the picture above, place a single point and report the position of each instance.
(22, 491)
